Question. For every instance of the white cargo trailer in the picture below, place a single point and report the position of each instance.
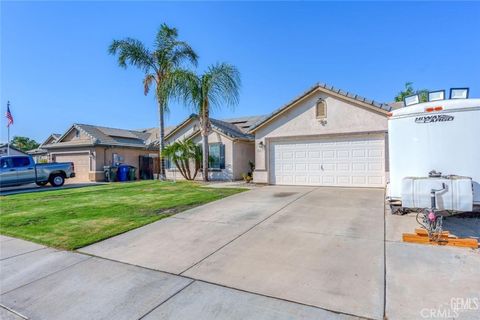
(441, 135)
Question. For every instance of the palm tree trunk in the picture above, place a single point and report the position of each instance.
(205, 130)
(205, 155)
(161, 140)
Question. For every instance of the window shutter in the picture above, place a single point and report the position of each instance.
(222, 156)
(321, 109)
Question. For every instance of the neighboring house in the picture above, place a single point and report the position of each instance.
(325, 137)
(91, 148)
(41, 155)
(13, 151)
(231, 148)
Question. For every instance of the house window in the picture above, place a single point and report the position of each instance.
(77, 134)
(321, 109)
(217, 156)
(169, 164)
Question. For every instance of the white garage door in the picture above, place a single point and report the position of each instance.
(81, 162)
(344, 161)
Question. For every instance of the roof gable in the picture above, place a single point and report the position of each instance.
(51, 138)
(329, 90)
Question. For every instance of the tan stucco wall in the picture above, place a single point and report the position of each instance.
(243, 153)
(104, 157)
(343, 117)
(184, 132)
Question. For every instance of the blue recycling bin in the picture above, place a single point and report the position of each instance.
(123, 172)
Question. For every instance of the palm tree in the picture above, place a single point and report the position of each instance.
(409, 90)
(161, 66)
(217, 87)
(182, 154)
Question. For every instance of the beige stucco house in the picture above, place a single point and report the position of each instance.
(91, 148)
(230, 146)
(324, 137)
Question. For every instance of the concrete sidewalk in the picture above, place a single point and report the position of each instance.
(43, 283)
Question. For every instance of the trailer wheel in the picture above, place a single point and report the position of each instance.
(57, 180)
(41, 183)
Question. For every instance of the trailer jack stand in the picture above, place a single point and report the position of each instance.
(445, 239)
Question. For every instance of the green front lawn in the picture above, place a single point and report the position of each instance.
(74, 218)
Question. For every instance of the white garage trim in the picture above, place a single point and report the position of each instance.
(346, 160)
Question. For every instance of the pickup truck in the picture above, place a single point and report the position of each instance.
(18, 170)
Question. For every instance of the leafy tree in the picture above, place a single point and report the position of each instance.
(183, 153)
(409, 90)
(161, 66)
(24, 143)
(219, 86)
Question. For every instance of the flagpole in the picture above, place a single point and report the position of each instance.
(8, 132)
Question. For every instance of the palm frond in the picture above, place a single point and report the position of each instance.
(147, 82)
(183, 52)
(221, 85)
(132, 51)
(165, 36)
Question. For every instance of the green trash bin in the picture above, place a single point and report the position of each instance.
(113, 174)
(132, 173)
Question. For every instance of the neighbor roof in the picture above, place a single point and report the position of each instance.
(5, 145)
(105, 136)
(383, 107)
(53, 136)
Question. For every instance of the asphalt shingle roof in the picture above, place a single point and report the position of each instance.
(235, 128)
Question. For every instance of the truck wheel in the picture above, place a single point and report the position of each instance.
(41, 184)
(57, 180)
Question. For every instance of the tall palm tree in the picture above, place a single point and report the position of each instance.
(219, 86)
(162, 66)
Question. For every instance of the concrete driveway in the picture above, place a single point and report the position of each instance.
(271, 253)
(322, 247)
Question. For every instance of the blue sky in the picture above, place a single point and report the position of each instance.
(55, 69)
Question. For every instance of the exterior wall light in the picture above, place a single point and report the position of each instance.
(261, 145)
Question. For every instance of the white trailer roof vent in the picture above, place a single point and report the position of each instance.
(411, 100)
(437, 95)
(459, 93)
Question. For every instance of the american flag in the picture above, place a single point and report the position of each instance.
(9, 116)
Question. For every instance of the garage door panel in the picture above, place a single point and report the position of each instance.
(81, 161)
(343, 167)
(345, 161)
